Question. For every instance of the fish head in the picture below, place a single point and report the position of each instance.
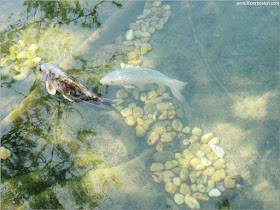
(113, 78)
(42, 71)
(48, 71)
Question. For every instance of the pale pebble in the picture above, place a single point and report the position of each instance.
(201, 188)
(166, 137)
(126, 112)
(196, 131)
(21, 43)
(186, 142)
(168, 176)
(151, 30)
(140, 131)
(178, 155)
(159, 146)
(145, 34)
(21, 76)
(129, 35)
(214, 192)
(179, 198)
(146, 12)
(185, 189)
(199, 154)
(183, 163)
(206, 162)
(177, 181)
(186, 130)
(206, 138)
(130, 120)
(138, 112)
(184, 174)
(194, 139)
(214, 141)
(200, 196)
(33, 47)
(194, 187)
(163, 115)
(153, 138)
(144, 27)
(210, 185)
(177, 125)
(170, 188)
(191, 202)
(152, 94)
(160, 130)
(171, 164)
(219, 151)
(143, 97)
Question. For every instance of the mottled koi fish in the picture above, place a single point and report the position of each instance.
(58, 80)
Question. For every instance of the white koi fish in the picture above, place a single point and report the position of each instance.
(131, 77)
(58, 80)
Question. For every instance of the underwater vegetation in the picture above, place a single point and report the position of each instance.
(46, 158)
(46, 154)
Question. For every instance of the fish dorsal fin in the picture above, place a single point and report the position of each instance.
(68, 97)
(72, 83)
(51, 90)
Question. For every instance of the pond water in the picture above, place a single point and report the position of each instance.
(73, 155)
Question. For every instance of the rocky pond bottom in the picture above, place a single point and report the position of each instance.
(188, 162)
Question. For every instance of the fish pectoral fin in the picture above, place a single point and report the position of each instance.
(68, 98)
(162, 86)
(51, 90)
(129, 86)
(141, 86)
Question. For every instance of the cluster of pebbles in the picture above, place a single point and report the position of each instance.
(154, 17)
(196, 174)
(21, 59)
(142, 109)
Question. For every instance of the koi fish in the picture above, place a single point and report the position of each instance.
(130, 77)
(58, 80)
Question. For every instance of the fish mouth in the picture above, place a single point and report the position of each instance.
(102, 81)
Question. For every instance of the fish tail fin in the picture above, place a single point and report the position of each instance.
(176, 86)
(105, 103)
